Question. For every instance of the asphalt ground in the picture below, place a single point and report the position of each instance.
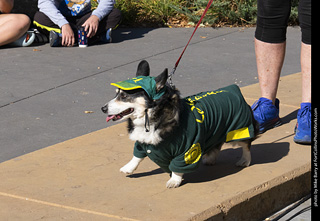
(49, 95)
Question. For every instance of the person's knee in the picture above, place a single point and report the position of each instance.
(24, 21)
(272, 20)
(20, 21)
(117, 13)
(113, 19)
(38, 16)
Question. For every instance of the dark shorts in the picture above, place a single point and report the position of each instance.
(45, 25)
(272, 20)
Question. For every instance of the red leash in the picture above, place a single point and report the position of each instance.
(194, 31)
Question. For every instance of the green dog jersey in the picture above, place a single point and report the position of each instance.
(207, 120)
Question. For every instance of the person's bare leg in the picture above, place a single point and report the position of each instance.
(303, 126)
(306, 72)
(270, 59)
(12, 27)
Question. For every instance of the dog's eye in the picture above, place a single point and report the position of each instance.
(123, 95)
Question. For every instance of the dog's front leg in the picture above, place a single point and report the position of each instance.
(131, 166)
(175, 180)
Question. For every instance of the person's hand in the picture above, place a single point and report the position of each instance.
(67, 35)
(91, 26)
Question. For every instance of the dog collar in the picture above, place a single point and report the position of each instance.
(147, 83)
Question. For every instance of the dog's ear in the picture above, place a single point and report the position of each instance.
(161, 79)
(143, 69)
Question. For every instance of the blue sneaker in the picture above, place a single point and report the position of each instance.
(106, 38)
(266, 114)
(55, 39)
(303, 126)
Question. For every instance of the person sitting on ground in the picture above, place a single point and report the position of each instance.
(13, 27)
(61, 19)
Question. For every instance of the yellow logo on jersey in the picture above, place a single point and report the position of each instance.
(193, 155)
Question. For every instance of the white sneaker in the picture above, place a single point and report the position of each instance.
(26, 39)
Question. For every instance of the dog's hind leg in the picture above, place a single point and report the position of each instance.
(210, 157)
(246, 155)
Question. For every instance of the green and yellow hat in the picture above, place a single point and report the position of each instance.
(147, 83)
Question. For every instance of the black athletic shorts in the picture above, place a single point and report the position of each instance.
(272, 20)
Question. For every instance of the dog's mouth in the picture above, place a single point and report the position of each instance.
(120, 116)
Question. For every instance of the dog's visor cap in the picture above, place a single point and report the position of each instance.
(147, 83)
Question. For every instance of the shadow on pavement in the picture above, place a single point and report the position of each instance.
(225, 166)
(124, 34)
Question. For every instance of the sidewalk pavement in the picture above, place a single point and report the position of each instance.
(47, 175)
(80, 178)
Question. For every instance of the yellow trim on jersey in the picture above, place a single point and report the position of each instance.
(238, 134)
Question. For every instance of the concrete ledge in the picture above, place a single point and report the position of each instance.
(80, 178)
(263, 200)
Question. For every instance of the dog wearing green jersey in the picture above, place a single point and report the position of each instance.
(176, 133)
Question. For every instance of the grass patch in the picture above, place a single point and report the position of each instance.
(157, 13)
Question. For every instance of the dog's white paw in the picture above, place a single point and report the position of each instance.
(130, 167)
(127, 169)
(173, 183)
(243, 162)
(175, 180)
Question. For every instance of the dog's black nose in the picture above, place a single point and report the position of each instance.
(104, 109)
